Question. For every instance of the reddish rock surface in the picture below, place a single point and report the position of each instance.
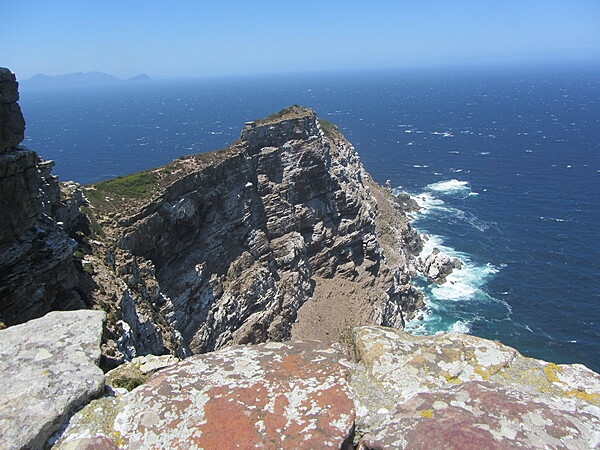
(276, 395)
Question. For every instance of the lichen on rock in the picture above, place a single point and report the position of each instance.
(48, 369)
(459, 391)
(276, 395)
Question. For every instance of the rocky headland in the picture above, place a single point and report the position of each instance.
(252, 297)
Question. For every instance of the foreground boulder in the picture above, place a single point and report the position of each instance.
(462, 392)
(450, 391)
(48, 368)
(275, 395)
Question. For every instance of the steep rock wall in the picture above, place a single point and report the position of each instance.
(237, 245)
(37, 273)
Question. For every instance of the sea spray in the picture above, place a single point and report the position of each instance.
(455, 304)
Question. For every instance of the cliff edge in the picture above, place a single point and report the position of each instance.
(276, 236)
(37, 271)
(280, 236)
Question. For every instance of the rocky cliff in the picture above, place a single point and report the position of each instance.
(281, 234)
(37, 273)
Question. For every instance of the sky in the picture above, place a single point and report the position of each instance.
(232, 37)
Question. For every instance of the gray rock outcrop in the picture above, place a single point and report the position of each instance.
(242, 245)
(12, 123)
(447, 391)
(437, 266)
(463, 392)
(48, 368)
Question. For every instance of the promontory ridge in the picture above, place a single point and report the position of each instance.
(253, 296)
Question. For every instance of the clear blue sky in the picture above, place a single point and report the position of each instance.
(206, 38)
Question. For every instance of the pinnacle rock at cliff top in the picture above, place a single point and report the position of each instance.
(37, 273)
(12, 124)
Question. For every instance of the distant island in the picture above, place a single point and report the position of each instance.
(78, 78)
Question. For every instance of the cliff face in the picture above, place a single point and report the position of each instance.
(241, 246)
(36, 266)
(282, 234)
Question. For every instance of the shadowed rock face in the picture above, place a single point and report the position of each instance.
(233, 249)
(12, 124)
(36, 266)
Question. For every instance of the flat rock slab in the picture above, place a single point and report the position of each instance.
(291, 395)
(458, 391)
(48, 368)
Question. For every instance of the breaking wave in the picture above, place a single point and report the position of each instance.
(453, 305)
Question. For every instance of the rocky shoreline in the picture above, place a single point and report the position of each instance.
(262, 275)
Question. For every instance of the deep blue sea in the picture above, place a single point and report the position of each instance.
(505, 164)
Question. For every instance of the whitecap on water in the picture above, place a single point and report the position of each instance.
(449, 186)
(446, 310)
(427, 201)
(460, 327)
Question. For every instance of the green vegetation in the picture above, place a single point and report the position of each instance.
(88, 268)
(128, 383)
(137, 185)
(330, 130)
(291, 112)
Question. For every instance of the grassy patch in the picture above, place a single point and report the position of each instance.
(291, 112)
(137, 185)
(330, 130)
(128, 383)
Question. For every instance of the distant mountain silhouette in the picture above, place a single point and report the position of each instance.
(140, 77)
(77, 78)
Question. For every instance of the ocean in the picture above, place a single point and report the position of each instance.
(505, 164)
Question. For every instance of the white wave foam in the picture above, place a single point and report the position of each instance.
(446, 302)
(462, 284)
(553, 219)
(460, 327)
(427, 201)
(449, 186)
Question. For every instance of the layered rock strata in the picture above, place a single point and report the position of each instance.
(242, 245)
(37, 273)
